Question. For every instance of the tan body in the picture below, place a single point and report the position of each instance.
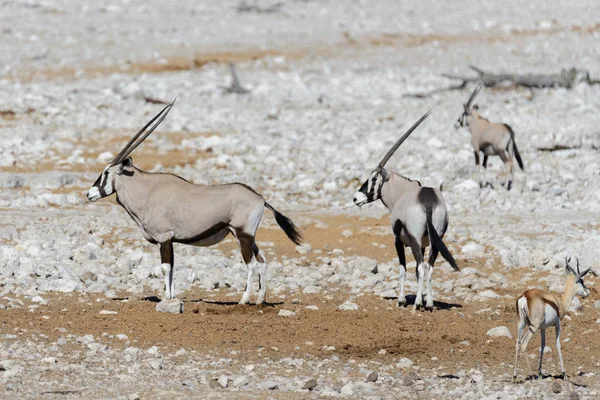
(539, 310)
(168, 209)
(493, 139)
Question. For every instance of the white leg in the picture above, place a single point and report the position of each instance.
(421, 270)
(520, 330)
(167, 270)
(262, 280)
(251, 266)
(542, 346)
(562, 365)
(402, 280)
(429, 303)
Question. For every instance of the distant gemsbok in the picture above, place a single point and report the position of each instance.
(539, 310)
(169, 209)
(493, 139)
(419, 218)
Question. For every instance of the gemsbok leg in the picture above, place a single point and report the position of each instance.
(402, 276)
(167, 265)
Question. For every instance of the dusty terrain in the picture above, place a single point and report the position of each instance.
(328, 84)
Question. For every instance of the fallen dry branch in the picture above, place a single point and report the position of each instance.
(567, 78)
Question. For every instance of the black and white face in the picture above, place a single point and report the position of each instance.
(371, 189)
(104, 185)
(580, 288)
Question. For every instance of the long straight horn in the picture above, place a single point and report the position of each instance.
(474, 94)
(391, 152)
(131, 145)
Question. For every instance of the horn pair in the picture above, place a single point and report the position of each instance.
(577, 272)
(134, 142)
(391, 152)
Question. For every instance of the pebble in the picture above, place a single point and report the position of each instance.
(348, 306)
(172, 306)
(310, 384)
(223, 381)
(286, 313)
(372, 377)
(404, 363)
(499, 331)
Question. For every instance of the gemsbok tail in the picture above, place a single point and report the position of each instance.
(515, 149)
(287, 225)
(436, 241)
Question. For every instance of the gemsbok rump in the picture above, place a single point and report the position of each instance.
(169, 209)
(539, 310)
(493, 139)
(419, 218)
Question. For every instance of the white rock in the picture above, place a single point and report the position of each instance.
(157, 363)
(286, 313)
(311, 289)
(223, 381)
(241, 381)
(348, 305)
(404, 363)
(499, 331)
(312, 307)
(39, 300)
(489, 294)
(173, 306)
(472, 247)
(347, 233)
(108, 312)
(304, 248)
(347, 389)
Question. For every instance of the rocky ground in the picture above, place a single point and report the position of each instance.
(328, 84)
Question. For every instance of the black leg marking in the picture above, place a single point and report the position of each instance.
(485, 158)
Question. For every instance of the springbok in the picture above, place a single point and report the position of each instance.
(169, 209)
(539, 310)
(419, 218)
(493, 139)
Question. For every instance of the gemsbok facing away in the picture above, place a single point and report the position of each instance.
(419, 218)
(169, 209)
(539, 310)
(493, 139)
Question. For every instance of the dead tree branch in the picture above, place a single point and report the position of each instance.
(234, 86)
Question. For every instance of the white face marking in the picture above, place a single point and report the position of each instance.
(103, 186)
(93, 194)
(360, 198)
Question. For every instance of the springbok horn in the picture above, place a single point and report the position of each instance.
(131, 145)
(402, 139)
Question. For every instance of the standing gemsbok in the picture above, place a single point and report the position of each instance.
(419, 218)
(493, 139)
(540, 310)
(170, 210)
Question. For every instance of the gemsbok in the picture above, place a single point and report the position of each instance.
(539, 310)
(493, 139)
(419, 218)
(169, 209)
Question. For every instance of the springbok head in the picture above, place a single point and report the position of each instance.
(468, 107)
(371, 188)
(580, 288)
(122, 163)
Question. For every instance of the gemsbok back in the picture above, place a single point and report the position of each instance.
(169, 209)
(539, 310)
(419, 218)
(493, 139)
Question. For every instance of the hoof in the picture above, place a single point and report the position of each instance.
(429, 308)
(401, 302)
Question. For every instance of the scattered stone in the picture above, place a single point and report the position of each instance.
(133, 396)
(347, 389)
(172, 306)
(286, 313)
(347, 233)
(39, 300)
(304, 248)
(241, 381)
(499, 331)
(372, 377)
(404, 363)
(223, 381)
(312, 307)
(489, 294)
(348, 305)
(108, 312)
(409, 378)
(268, 385)
(157, 364)
(556, 387)
(310, 384)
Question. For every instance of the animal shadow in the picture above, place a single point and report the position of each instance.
(438, 305)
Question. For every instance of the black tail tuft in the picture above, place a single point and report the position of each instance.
(518, 156)
(436, 241)
(287, 225)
